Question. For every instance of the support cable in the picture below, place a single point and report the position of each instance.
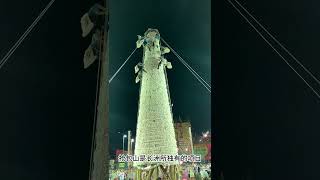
(115, 74)
(185, 63)
(315, 92)
(193, 72)
(16, 45)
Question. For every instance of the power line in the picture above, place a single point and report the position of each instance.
(16, 45)
(278, 42)
(194, 73)
(274, 49)
(122, 66)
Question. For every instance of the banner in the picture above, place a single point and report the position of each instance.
(86, 25)
(119, 151)
(88, 57)
(204, 150)
(122, 165)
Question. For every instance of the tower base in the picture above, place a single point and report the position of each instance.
(171, 172)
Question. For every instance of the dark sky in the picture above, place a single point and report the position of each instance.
(47, 98)
(266, 119)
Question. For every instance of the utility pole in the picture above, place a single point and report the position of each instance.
(100, 166)
(98, 49)
(129, 143)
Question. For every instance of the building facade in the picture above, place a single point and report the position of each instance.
(184, 137)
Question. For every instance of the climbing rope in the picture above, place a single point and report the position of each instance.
(115, 74)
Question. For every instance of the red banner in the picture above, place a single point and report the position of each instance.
(208, 156)
(119, 151)
(204, 150)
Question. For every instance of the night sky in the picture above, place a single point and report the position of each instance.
(266, 119)
(47, 98)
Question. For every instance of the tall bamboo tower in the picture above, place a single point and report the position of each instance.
(155, 127)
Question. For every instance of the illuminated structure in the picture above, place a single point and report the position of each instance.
(155, 133)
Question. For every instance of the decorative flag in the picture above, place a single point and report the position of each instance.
(139, 41)
(97, 9)
(169, 65)
(95, 42)
(92, 52)
(164, 50)
(89, 57)
(139, 76)
(86, 25)
(136, 69)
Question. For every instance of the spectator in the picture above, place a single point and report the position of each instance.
(204, 175)
(197, 174)
(191, 174)
(185, 174)
(121, 175)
